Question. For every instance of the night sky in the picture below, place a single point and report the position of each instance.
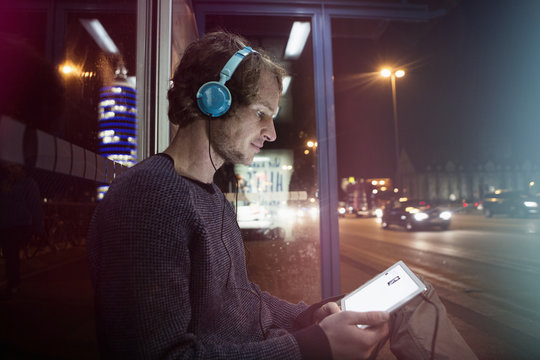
(471, 93)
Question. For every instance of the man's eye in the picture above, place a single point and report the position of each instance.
(260, 114)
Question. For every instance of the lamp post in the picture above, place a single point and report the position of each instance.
(393, 74)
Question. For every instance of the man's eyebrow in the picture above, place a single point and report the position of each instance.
(267, 106)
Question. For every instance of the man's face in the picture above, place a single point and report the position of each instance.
(238, 138)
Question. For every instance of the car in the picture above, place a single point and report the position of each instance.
(469, 205)
(349, 210)
(510, 203)
(415, 215)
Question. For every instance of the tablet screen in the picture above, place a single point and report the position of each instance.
(385, 292)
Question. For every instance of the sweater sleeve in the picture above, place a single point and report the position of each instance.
(298, 319)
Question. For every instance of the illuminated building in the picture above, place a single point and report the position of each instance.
(118, 123)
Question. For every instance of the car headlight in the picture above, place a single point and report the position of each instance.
(342, 210)
(530, 204)
(445, 215)
(379, 213)
(420, 216)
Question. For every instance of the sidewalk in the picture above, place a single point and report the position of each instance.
(51, 317)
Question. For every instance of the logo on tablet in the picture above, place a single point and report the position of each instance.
(394, 280)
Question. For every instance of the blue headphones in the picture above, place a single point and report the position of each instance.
(214, 98)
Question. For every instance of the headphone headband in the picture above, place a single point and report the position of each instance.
(232, 64)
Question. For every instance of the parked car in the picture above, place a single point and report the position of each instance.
(510, 203)
(414, 215)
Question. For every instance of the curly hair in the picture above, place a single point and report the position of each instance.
(202, 62)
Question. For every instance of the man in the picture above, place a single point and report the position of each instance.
(167, 257)
(166, 254)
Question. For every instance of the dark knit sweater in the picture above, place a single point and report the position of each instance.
(167, 263)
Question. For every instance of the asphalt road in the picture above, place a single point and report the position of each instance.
(487, 272)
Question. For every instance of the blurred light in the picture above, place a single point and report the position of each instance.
(420, 216)
(383, 188)
(68, 69)
(306, 152)
(374, 182)
(445, 215)
(379, 213)
(389, 72)
(277, 112)
(531, 184)
(100, 35)
(261, 158)
(530, 204)
(381, 182)
(310, 143)
(285, 83)
(342, 210)
(287, 213)
(297, 39)
(403, 199)
(351, 180)
(375, 191)
(396, 190)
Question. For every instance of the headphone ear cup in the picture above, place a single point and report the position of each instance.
(214, 99)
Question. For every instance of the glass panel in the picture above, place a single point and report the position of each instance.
(58, 90)
(457, 135)
(277, 200)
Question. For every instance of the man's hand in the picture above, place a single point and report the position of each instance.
(327, 309)
(347, 341)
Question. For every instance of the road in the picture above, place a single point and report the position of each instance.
(487, 272)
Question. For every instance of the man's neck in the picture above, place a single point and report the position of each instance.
(189, 150)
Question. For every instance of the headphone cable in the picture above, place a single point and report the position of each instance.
(434, 338)
(225, 245)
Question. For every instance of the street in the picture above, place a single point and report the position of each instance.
(485, 270)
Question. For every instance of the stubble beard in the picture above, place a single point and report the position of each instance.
(223, 145)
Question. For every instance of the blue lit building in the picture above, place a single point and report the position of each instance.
(118, 123)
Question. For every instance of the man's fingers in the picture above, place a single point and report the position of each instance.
(331, 308)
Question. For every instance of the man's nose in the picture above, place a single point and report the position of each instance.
(269, 132)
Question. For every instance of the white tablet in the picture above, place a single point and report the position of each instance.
(385, 292)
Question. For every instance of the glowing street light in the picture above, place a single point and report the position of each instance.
(393, 74)
(68, 69)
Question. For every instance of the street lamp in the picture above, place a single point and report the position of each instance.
(393, 74)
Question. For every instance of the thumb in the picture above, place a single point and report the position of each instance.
(372, 318)
(330, 308)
